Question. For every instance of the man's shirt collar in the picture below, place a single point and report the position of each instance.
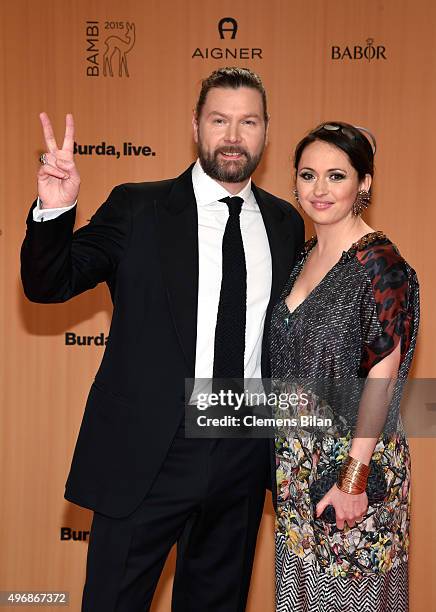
(208, 192)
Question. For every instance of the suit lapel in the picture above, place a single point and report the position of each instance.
(282, 253)
(178, 229)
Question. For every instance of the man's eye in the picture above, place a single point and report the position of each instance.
(249, 122)
(218, 121)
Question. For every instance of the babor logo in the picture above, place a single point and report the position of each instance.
(227, 29)
(357, 52)
(227, 24)
(106, 52)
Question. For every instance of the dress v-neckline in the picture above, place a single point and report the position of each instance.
(365, 240)
(310, 294)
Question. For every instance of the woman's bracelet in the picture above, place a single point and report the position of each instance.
(353, 476)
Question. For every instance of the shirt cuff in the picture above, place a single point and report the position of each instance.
(47, 214)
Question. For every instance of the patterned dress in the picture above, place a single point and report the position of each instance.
(359, 312)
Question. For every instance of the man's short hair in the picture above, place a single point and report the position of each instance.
(231, 77)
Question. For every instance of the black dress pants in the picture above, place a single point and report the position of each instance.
(208, 497)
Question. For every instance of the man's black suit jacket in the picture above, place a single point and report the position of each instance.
(143, 242)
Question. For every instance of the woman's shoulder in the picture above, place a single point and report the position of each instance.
(394, 282)
(381, 258)
(375, 245)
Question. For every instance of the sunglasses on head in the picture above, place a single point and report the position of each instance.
(335, 127)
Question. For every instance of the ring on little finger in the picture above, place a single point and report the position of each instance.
(43, 159)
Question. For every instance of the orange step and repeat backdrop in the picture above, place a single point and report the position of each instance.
(130, 74)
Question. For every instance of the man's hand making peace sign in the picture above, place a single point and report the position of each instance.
(58, 179)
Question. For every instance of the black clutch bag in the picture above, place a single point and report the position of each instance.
(376, 489)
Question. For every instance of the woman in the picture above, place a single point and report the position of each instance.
(349, 312)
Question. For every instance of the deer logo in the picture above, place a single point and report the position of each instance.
(116, 44)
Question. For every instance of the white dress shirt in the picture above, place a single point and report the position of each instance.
(46, 214)
(212, 219)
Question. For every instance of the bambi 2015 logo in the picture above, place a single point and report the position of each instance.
(227, 30)
(108, 45)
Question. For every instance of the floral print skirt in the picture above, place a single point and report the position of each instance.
(367, 562)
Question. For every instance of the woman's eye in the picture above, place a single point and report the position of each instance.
(337, 176)
(306, 176)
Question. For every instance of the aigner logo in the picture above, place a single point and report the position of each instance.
(357, 52)
(227, 29)
(223, 26)
(106, 54)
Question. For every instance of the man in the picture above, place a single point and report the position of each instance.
(193, 273)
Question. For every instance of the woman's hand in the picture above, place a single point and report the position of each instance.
(349, 508)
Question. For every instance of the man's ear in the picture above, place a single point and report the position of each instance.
(267, 131)
(195, 127)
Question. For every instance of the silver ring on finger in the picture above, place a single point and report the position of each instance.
(43, 159)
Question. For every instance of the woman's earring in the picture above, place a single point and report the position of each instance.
(362, 202)
(297, 198)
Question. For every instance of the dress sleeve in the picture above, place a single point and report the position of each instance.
(386, 307)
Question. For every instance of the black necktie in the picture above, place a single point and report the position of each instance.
(230, 325)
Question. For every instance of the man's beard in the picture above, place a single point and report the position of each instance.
(231, 171)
